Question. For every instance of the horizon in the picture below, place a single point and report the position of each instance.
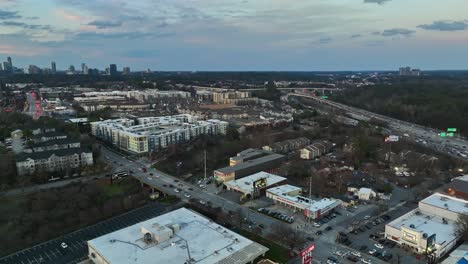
(336, 35)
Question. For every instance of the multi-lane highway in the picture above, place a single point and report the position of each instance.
(429, 137)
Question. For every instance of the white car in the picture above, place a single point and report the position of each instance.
(339, 253)
(202, 202)
(330, 261)
(366, 217)
(176, 190)
(64, 245)
(372, 251)
(379, 246)
(316, 225)
(356, 254)
(187, 195)
(366, 261)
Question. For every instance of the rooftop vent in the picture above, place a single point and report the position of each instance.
(412, 226)
(443, 198)
(446, 205)
(216, 253)
(148, 238)
(425, 235)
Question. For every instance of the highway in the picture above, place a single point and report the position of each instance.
(426, 136)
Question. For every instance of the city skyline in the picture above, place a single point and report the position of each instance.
(237, 35)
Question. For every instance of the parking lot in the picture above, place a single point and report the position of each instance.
(368, 239)
(75, 248)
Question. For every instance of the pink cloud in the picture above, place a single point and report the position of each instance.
(69, 16)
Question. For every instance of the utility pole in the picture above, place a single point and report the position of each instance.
(205, 163)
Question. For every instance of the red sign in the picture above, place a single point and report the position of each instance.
(306, 254)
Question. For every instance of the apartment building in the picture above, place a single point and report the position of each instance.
(53, 160)
(151, 134)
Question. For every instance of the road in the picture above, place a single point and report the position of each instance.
(77, 249)
(426, 136)
(324, 245)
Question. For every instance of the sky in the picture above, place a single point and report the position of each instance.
(236, 35)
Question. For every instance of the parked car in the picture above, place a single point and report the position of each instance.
(372, 251)
(319, 232)
(64, 245)
(328, 228)
(379, 246)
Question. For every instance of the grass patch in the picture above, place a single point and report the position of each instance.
(168, 199)
(112, 190)
(276, 252)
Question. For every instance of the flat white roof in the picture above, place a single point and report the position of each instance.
(283, 190)
(365, 190)
(447, 202)
(427, 223)
(245, 184)
(301, 201)
(198, 239)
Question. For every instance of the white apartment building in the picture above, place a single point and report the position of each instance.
(430, 228)
(54, 160)
(154, 133)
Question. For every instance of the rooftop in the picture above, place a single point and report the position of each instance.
(48, 154)
(447, 202)
(59, 141)
(310, 204)
(250, 163)
(246, 184)
(193, 239)
(427, 223)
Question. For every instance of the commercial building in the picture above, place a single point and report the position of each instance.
(407, 71)
(268, 163)
(431, 228)
(286, 146)
(53, 160)
(256, 184)
(458, 256)
(458, 187)
(363, 193)
(181, 236)
(316, 149)
(290, 196)
(248, 154)
(151, 134)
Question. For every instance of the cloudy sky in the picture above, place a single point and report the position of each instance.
(237, 34)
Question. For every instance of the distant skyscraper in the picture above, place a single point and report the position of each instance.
(83, 65)
(126, 71)
(85, 70)
(1, 67)
(10, 64)
(6, 66)
(71, 68)
(407, 71)
(112, 69)
(54, 67)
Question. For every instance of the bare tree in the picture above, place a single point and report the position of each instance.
(462, 227)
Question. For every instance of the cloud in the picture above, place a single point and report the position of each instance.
(356, 36)
(325, 40)
(120, 35)
(69, 16)
(25, 26)
(4, 15)
(380, 2)
(446, 25)
(397, 32)
(101, 24)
